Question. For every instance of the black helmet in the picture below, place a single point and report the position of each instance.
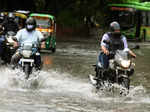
(114, 26)
(30, 24)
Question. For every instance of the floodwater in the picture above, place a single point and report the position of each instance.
(63, 84)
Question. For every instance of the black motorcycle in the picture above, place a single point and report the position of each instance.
(121, 67)
(8, 47)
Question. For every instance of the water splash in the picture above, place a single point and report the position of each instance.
(46, 81)
(137, 95)
(5, 77)
(63, 83)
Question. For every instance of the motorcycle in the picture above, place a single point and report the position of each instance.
(2, 45)
(8, 47)
(121, 67)
(29, 56)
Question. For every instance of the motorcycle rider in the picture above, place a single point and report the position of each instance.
(28, 34)
(10, 24)
(2, 34)
(117, 40)
(2, 40)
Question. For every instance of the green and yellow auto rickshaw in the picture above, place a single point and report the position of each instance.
(46, 23)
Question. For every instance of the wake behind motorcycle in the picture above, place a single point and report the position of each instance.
(29, 58)
(121, 67)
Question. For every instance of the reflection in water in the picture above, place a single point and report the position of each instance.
(47, 60)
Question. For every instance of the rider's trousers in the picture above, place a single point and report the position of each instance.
(104, 60)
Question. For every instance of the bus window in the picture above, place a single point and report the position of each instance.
(144, 19)
(148, 18)
(125, 18)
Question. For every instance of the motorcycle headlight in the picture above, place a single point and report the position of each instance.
(125, 63)
(26, 53)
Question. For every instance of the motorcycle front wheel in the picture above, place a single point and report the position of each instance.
(125, 82)
(27, 70)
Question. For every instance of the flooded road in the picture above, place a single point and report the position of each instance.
(63, 84)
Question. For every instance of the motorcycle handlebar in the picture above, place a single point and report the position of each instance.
(14, 38)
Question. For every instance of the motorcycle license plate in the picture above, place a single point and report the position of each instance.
(27, 61)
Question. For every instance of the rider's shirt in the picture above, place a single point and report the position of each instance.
(107, 38)
(24, 36)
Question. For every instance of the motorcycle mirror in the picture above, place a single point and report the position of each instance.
(136, 47)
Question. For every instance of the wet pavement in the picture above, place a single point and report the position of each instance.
(63, 84)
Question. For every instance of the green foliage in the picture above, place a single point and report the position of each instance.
(67, 12)
(40, 4)
(67, 18)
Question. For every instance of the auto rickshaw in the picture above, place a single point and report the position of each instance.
(46, 23)
(21, 17)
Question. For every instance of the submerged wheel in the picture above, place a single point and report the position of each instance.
(125, 82)
(27, 70)
(100, 77)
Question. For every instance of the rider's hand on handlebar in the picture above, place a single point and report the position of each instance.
(106, 52)
(15, 44)
(132, 54)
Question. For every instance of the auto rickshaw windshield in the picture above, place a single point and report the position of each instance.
(43, 22)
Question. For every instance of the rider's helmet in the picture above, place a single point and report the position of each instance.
(30, 24)
(114, 26)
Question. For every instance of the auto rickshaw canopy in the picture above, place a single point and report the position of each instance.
(42, 15)
(23, 16)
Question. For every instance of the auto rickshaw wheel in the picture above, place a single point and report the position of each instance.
(53, 50)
